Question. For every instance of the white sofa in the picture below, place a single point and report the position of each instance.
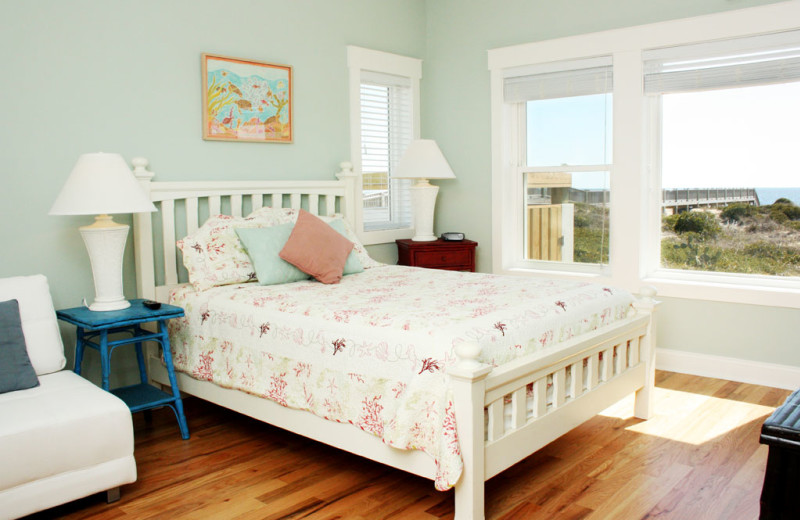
(66, 438)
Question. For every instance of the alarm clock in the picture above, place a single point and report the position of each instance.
(452, 236)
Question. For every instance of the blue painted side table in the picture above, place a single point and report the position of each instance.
(94, 328)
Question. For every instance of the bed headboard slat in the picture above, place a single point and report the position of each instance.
(214, 205)
(191, 215)
(236, 205)
(257, 201)
(153, 280)
(168, 235)
(313, 204)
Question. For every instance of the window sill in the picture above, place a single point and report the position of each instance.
(754, 290)
(385, 236)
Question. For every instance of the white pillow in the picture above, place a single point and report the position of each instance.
(38, 317)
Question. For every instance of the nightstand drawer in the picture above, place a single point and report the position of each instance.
(443, 258)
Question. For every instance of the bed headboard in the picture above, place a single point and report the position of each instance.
(184, 206)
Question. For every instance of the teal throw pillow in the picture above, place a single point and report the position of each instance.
(353, 265)
(263, 246)
(16, 371)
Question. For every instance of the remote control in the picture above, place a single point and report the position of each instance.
(150, 304)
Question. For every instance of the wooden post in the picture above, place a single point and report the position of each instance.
(469, 391)
(143, 236)
(643, 405)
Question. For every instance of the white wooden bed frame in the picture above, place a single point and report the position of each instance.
(620, 358)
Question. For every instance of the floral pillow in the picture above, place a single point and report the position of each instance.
(213, 255)
(286, 215)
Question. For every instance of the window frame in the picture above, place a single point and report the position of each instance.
(361, 60)
(635, 186)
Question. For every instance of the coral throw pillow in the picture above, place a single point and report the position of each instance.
(317, 249)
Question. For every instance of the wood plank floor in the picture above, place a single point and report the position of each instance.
(697, 458)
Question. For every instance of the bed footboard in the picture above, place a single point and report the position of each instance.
(506, 414)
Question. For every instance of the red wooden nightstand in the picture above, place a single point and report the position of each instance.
(441, 254)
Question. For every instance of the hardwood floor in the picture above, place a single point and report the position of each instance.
(697, 458)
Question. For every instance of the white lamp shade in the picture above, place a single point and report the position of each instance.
(101, 183)
(423, 160)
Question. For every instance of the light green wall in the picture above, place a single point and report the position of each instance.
(124, 76)
(457, 115)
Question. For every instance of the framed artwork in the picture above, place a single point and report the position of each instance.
(246, 100)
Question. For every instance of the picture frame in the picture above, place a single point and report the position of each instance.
(246, 100)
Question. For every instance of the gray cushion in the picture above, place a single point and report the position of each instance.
(16, 371)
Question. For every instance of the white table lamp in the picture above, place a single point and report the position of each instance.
(422, 161)
(101, 184)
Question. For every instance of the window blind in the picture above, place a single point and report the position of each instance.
(741, 62)
(557, 80)
(386, 131)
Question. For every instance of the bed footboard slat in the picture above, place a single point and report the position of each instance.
(606, 364)
(313, 204)
(330, 205)
(496, 426)
(559, 388)
(276, 200)
(593, 366)
(540, 397)
(576, 383)
(519, 407)
(295, 200)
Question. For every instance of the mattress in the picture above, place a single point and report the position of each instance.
(373, 349)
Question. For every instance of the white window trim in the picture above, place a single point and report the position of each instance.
(360, 59)
(634, 190)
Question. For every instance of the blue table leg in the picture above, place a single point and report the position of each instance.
(79, 351)
(140, 359)
(162, 328)
(105, 359)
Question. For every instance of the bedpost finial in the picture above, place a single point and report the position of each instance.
(467, 353)
(648, 292)
(346, 170)
(140, 168)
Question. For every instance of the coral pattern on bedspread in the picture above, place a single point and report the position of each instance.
(373, 350)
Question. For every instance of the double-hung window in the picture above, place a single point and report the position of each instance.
(384, 120)
(561, 130)
(726, 116)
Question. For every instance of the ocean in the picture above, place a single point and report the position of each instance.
(767, 196)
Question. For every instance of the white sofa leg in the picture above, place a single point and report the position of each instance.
(112, 495)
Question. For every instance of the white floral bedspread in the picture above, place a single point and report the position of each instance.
(372, 350)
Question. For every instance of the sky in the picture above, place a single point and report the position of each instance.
(744, 137)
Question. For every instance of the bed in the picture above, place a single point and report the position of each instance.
(399, 346)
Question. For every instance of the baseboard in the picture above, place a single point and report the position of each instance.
(732, 369)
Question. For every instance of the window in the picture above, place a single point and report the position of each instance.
(384, 120)
(564, 167)
(727, 115)
(678, 87)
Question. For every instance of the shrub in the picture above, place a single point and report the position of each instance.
(736, 212)
(782, 211)
(701, 222)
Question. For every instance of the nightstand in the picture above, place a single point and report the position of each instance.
(94, 328)
(439, 254)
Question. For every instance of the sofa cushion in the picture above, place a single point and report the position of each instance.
(16, 372)
(64, 424)
(38, 317)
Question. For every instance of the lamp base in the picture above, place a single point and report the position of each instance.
(105, 242)
(423, 195)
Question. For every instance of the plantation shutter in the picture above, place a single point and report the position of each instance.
(741, 62)
(557, 80)
(386, 131)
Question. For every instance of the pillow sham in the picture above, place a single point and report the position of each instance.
(263, 246)
(16, 370)
(213, 255)
(316, 248)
